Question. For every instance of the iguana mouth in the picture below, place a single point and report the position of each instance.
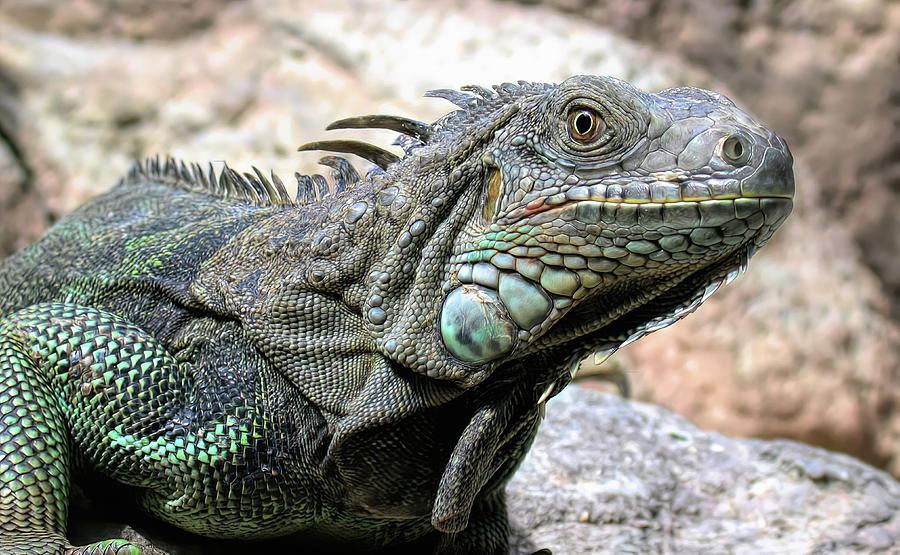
(518, 286)
(672, 195)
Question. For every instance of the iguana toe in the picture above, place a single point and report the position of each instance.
(106, 547)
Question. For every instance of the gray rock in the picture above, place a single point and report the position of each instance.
(608, 475)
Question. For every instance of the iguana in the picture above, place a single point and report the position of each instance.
(366, 365)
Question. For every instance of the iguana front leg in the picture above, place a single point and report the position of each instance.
(71, 375)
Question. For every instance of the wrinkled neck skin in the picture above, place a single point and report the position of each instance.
(532, 227)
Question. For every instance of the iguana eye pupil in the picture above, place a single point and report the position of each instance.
(585, 125)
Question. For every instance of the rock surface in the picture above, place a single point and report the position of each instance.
(607, 475)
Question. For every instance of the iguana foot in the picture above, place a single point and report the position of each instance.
(106, 547)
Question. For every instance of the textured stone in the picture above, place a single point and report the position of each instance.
(23, 191)
(611, 476)
(163, 19)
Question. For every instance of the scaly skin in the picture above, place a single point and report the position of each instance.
(367, 366)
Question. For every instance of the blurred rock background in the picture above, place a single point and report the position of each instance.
(804, 346)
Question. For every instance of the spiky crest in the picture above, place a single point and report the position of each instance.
(251, 188)
(475, 104)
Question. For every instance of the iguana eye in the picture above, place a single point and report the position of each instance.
(585, 125)
(736, 149)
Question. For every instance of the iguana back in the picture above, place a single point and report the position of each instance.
(144, 240)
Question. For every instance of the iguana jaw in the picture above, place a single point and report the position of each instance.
(514, 297)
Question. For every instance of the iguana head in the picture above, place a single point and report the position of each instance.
(553, 220)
